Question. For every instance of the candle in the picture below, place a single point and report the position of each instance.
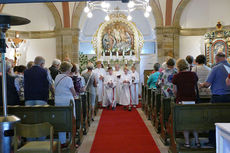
(117, 54)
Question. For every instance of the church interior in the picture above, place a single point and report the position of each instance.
(115, 76)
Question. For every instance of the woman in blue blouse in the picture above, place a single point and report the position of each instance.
(154, 77)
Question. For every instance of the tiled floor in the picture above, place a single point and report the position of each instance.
(88, 139)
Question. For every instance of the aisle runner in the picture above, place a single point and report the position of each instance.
(122, 132)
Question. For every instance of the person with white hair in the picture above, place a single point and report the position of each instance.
(12, 95)
(54, 69)
(91, 84)
(37, 83)
(125, 81)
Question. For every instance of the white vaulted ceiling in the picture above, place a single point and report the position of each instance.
(89, 26)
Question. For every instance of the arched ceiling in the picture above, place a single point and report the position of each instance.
(88, 26)
(206, 15)
(42, 16)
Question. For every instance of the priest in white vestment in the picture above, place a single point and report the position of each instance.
(109, 90)
(101, 73)
(118, 74)
(134, 86)
(125, 95)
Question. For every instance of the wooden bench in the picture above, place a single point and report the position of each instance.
(198, 117)
(79, 120)
(85, 114)
(143, 98)
(61, 117)
(148, 103)
(156, 110)
(165, 111)
(152, 105)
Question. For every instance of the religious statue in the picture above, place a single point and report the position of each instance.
(16, 43)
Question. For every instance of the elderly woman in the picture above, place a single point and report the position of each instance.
(184, 88)
(78, 80)
(91, 84)
(64, 92)
(165, 80)
(154, 77)
(202, 72)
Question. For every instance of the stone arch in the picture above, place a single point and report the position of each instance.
(54, 11)
(179, 10)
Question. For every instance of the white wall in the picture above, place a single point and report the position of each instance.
(191, 45)
(39, 14)
(36, 47)
(205, 13)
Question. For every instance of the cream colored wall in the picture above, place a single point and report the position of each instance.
(191, 45)
(206, 15)
(41, 20)
(40, 16)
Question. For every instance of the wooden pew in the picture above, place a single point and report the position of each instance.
(89, 110)
(152, 104)
(165, 111)
(156, 110)
(198, 117)
(79, 120)
(143, 98)
(148, 104)
(61, 117)
(85, 113)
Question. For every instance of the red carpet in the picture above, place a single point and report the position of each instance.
(122, 132)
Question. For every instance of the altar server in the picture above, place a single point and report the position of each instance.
(118, 73)
(126, 80)
(109, 90)
(134, 86)
(101, 73)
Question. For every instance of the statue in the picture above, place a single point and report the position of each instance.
(16, 43)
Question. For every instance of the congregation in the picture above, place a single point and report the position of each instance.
(188, 79)
(185, 79)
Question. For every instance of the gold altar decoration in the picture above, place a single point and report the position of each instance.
(216, 41)
(118, 40)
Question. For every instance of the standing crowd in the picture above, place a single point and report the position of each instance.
(35, 85)
(187, 80)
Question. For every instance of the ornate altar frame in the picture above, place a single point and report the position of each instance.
(113, 56)
(216, 41)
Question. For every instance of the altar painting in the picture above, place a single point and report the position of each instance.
(118, 40)
(117, 37)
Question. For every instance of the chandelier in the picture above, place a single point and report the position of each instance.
(105, 6)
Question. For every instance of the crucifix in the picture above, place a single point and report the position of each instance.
(16, 43)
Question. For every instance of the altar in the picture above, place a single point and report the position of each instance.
(118, 41)
(216, 41)
(222, 137)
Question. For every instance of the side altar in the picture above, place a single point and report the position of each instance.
(217, 41)
(118, 41)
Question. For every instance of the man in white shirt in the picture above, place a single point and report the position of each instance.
(100, 73)
(109, 90)
(134, 86)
